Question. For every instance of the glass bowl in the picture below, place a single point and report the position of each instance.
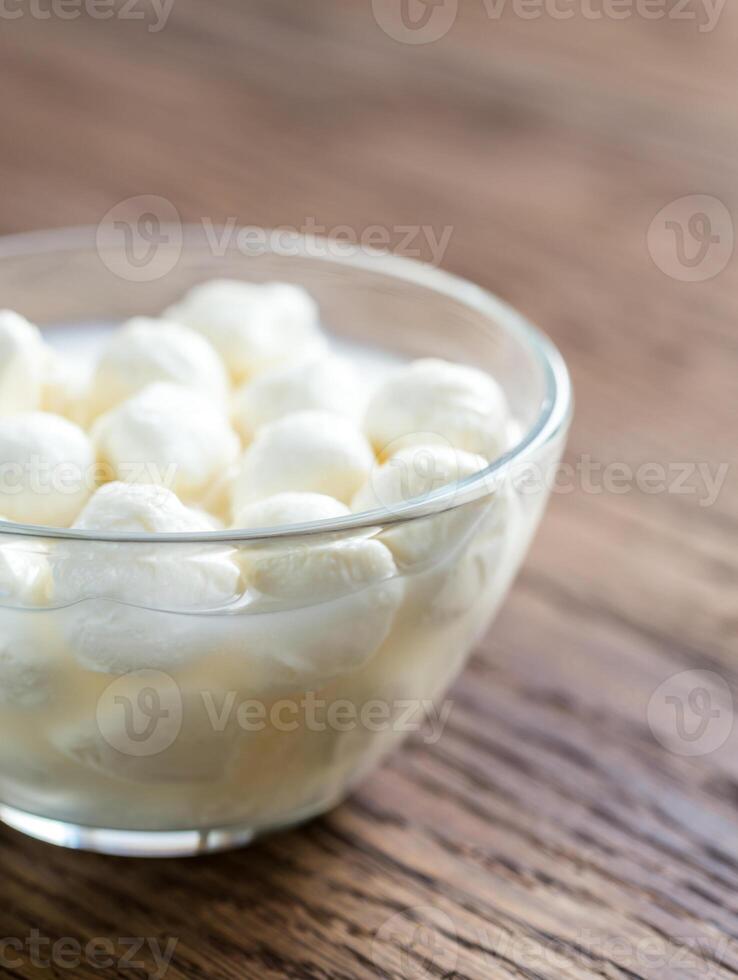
(134, 727)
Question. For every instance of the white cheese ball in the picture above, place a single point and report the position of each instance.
(26, 675)
(47, 469)
(24, 570)
(131, 606)
(146, 350)
(167, 435)
(66, 388)
(318, 609)
(477, 580)
(284, 509)
(254, 327)
(22, 360)
(26, 670)
(460, 404)
(329, 384)
(415, 472)
(310, 451)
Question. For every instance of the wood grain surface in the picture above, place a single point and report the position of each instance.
(566, 825)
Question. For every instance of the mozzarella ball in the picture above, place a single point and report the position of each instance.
(415, 472)
(145, 350)
(167, 435)
(66, 388)
(138, 509)
(284, 509)
(310, 451)
(318, 609)
(22, 359)
(25, 673)
(254, 327)
(130, 606)
(26, 670)
(329, 384)
(47, 468)
(24, 570)
(460, 404)
(485, 567)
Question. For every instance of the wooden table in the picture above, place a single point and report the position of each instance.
(567, 825)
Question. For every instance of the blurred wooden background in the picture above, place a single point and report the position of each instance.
(552, 832)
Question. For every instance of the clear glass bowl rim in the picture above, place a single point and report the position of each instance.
(554, 414)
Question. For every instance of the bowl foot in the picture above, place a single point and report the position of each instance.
(141, 843)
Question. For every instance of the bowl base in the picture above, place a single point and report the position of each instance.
(142, 843)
